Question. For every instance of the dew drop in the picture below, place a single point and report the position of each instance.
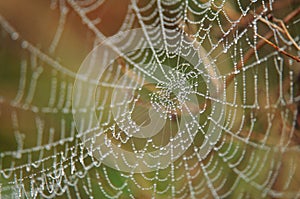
(24, 44)
(14, 36)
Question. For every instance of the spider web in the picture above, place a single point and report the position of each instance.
(49, 147)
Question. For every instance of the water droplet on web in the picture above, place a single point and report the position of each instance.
(24, 44)
(14, 36)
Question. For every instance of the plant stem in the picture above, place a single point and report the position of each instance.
(259, 45)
